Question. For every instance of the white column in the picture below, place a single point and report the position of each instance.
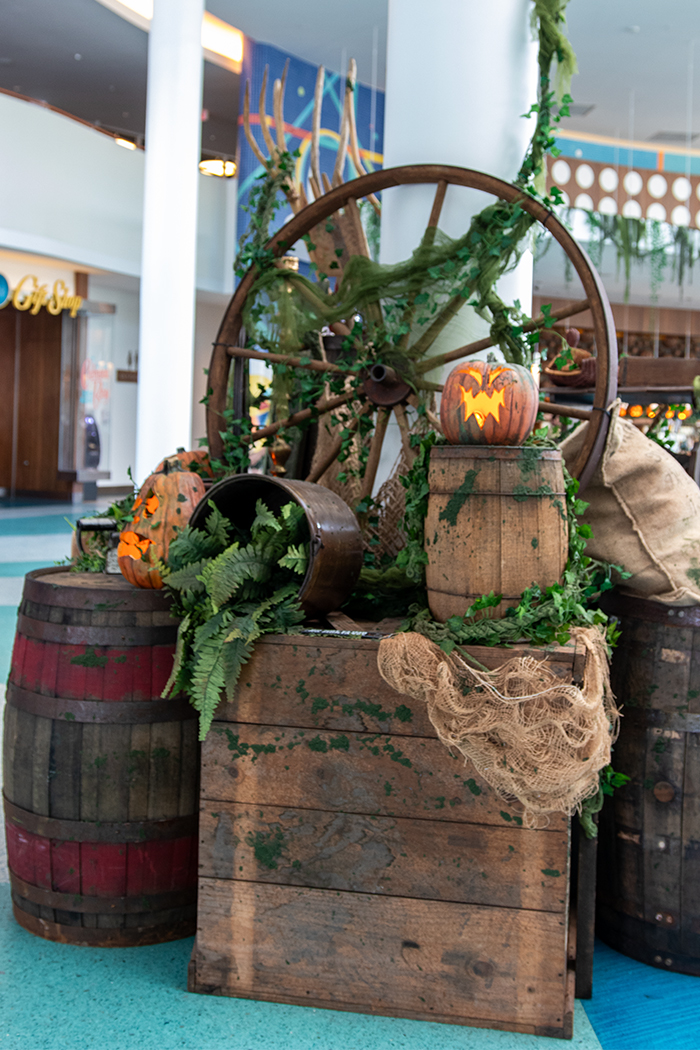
(166, 328)
(459, 76)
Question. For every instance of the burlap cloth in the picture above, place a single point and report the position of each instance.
(530, 735)
(644, 511)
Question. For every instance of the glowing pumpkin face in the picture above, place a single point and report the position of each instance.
(488, 404)
(163, 507)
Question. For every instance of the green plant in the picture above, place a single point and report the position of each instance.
(608, 781)
(229, 594)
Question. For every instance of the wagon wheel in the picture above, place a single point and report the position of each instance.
(386, 392)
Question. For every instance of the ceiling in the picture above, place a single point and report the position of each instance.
(82, 58)
(633, 56)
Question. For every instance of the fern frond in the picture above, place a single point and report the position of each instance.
(210, 628)
(208, 681)
(235, 653)
(264, 519)
(190, 546)
(177, 659)
(218, 527)
(224, 576)
(188, 579)
(296, 559)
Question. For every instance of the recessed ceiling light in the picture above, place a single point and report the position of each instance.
(633, 29)
(77, 57)
(5, 61)
(126, 143)
(223, 168)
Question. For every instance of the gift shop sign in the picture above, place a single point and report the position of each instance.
(30, 295)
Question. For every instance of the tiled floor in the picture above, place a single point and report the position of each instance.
(57, 996)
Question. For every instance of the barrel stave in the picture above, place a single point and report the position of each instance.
(64, 770)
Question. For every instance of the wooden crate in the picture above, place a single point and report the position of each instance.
(348, 861)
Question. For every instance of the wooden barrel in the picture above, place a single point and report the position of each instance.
(100, 774)
(496, 522)
(648, 903)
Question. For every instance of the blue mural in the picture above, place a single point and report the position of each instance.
(298, 111)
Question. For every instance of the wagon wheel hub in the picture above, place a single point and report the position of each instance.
(384, 386)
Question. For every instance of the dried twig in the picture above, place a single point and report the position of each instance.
(246, 127)
(263, 118)
(316, 133)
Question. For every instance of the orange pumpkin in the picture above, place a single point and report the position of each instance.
(196, 461)
(163, 507)
(489, 404)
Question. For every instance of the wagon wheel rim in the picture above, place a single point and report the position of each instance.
(321, 209)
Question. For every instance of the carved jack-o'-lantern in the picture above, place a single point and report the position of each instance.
(163, 507)
(488, 404)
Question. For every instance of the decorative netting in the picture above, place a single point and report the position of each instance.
(531, 735)
(426, 290)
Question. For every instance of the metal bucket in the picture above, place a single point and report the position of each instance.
(335, 549)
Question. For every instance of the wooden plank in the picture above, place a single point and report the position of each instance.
(189, 767)
(22, 760)
(164, 772)
(667, 372)
(334, 683)
(112, 772)
(9, 750)
(374, 773)
(138, 771)
(366, 854)
(690, 850)
(426, 959)
(91, 758)
(40, 765)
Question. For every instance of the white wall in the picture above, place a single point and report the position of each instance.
(70, 192)
(72, 196)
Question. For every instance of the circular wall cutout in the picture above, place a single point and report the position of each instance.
(608, 180)
(632, 210)
(656, 212)
(680, 216)
(583, 201)
(607, 206)
(657, 186)
(561, 172)
(632, 183)
(584, 176)
(681, 189)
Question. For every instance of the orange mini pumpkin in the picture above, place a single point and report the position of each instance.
(163, 507)
(197, 461)
(489, 404)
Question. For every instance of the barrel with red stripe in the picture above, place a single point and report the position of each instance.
(100, 773)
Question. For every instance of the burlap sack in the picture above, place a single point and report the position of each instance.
(645, 514)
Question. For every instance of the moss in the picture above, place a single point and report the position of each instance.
(458, 498)
(90, 658)
(267, 847)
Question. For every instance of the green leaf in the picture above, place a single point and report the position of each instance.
(295, 559)
(264, 519)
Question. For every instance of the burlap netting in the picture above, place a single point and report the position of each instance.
(644, 511)
(528, 733)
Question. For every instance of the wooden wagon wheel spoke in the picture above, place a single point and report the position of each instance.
(569, 310)
(344, 197)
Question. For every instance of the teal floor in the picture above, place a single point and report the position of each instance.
(58, 996)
